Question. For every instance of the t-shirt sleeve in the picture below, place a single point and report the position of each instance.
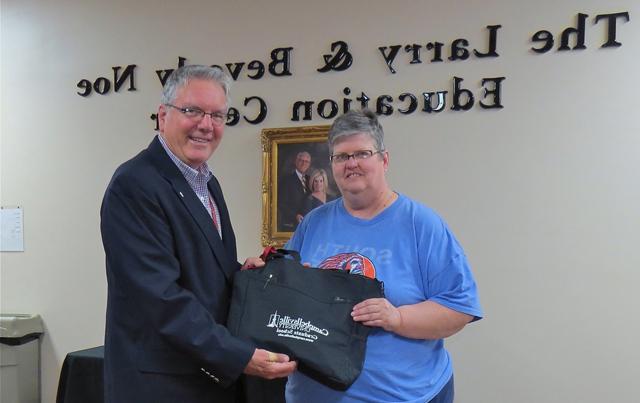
(455, 288)
(446, 275)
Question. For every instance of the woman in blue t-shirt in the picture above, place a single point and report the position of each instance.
(430, 293)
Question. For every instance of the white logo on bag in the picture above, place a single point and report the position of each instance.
(295, 328)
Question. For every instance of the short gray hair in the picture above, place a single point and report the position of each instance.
(180, 77)
(356, 122)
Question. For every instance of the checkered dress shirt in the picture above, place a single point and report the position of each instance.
(197, 179)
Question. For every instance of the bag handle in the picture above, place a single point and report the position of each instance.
(270, 253)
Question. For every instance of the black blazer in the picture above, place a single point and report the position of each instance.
(291, 195)
(169, 281)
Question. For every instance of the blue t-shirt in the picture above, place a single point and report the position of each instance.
(409, 248)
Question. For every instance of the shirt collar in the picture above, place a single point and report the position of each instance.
(189, 173)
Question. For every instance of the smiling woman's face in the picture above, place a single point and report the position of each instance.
(318, 183)
(355, 176)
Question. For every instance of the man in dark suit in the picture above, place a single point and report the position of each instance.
(292, 191)
(171, 255)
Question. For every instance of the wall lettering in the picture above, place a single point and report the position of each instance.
(461, 96)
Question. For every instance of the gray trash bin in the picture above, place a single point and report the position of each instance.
(20, 358)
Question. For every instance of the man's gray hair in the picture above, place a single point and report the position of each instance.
(180, 77)
(356, 122)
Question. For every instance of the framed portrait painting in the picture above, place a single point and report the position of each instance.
(296, 178)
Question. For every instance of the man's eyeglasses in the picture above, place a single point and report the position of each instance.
(198, 114)
(341, 158)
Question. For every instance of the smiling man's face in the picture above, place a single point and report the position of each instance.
(193, 140)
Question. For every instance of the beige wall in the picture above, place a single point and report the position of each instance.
(543, 194)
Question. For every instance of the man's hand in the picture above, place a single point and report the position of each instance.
(268, 365)
(252, 263)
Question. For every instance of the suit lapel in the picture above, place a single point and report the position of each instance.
(187, 196)
(228, 237)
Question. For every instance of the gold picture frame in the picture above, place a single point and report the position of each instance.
(280, 148)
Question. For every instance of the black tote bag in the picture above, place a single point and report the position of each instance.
(305, 313)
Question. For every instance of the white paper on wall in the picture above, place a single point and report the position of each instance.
(11, 236)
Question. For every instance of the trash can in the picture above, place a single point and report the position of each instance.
(20, 358)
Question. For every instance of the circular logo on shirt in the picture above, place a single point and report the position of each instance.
(351, 262)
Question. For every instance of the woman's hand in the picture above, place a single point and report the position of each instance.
(378, 312)
(426, 320)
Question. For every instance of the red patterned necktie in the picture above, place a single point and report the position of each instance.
(213, 213)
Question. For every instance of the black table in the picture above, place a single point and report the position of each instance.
(81, 381)
(81, 378)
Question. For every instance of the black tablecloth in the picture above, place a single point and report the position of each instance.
(81, 378)
(81, 381)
